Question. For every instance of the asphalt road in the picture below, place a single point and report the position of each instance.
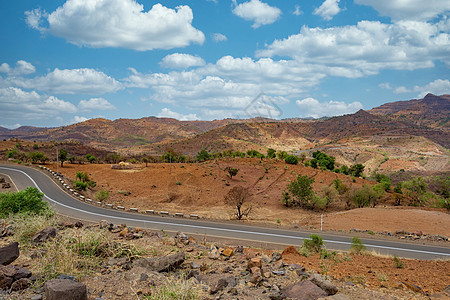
(66, 204)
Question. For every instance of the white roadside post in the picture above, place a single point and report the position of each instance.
(321, 222)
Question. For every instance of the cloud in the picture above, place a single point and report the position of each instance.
(408, 9)
(310, 107)
(167, 113)
(70, 81)
(328, 9)
(118, 23)
(297, 11)
(17, 104)
(366, 48)
(218, 37)
(78, 119)
(436, 87)
(181, 61)
(258, 12)
(95, 104)
(22, 68)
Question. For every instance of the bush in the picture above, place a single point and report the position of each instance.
(291, 159)
(322, 160)
(367, 196)
(102, 195)
(340, 186)
(231, 171)
(398, 263)
(357, 245)
(384, 180)
(314, 244)
(271, 153)
(28, 201)
(80, 185)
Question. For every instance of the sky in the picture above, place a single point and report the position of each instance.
(67, 61)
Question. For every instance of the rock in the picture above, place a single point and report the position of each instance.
(277, 295)
(413, 287)
(57, 289)
(239, 249)
(446, 290)
(6, 277)
(256, 275)
(139, 274)
(214, 253)
(291, 250)
(170, 241)
(336, 297)
(44, 235)
(276, 256)
(304, 290)
(161, 264)
(279, 272)
(20, 273)
(218, 286)
(78, 224)
(195, 266)
(228, 252)
(254, 262)
(69, 277)
(324, 284)
(20, 284)
(9, 253)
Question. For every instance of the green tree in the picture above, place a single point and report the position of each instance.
(90, 158)
(62, 156)
(368, 195)
(415, 189)
(356, 170)
(384, 180)
(38, 156)
(203, 155)
(300, 192)
(271, 153)
(322, 160)
(232, 171)
(291, 159)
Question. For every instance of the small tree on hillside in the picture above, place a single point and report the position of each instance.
(90, 158)
(300, 193)
(232, 171)
(62, 156)
(237, 197)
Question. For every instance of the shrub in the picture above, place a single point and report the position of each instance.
(271, 153)
(340, 186)
(357, 245)
(322, 160)
(356, 170)
(384, 180)
(90, 158)
(102, 195)
(314, 244)
(203, 155)
(367, 196)
(231, 171)
(291, 159)
(398, 263)
(80, 185)
(28, 201)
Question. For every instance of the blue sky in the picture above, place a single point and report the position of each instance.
(63, 62)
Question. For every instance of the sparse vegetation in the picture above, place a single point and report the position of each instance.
(102, 195)
(231, 171)
(357, 246)
(28, 201)
(398, 263)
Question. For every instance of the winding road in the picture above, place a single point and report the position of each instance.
(66, 204)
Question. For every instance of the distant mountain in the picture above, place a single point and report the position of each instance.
(431, 111)
(427, 117)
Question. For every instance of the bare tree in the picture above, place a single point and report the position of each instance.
(237, 197)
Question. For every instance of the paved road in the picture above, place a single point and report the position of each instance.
(67, 205)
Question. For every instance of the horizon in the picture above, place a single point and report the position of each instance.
(67, 62)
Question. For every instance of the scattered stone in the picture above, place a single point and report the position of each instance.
(9, 253)
(254, 262)
(161, 264)
(69, 277)
(57, 289)
(276, 256)
(324, 284)
(20, 284)
(44, 235)
(218, 286)
(20, 273)
(304, 290)
(195, 265)
(279, 272)
(239, 249)
(214, 253)
(446, 290)
(413, 287)
(336, 297)
(228, 252)
(256, 275)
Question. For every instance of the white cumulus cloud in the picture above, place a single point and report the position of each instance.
(436, 87)
(328, 9)
(22, 68)
(181, 61)
(71, 81)
(18, 104)
(118, 23)
(408, 9)
(366, 48)
(95, 104)
(78, 119)
(167, 113)
(218, 37)
(310, 107)
(258, 12)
